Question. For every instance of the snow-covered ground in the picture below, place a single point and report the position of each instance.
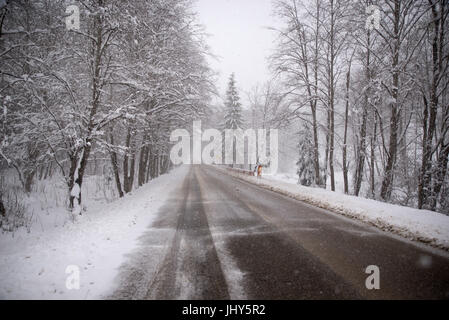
(45, 207)
(420, 225)
(33, 265)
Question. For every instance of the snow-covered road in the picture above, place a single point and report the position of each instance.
(219, 237)
(200, 233)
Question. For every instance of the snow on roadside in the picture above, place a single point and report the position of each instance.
(33, 266)
(420, 225)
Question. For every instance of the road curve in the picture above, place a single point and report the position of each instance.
(221, 238)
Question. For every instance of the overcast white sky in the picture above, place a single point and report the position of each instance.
(239, 37)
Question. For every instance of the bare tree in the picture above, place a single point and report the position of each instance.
(401, 38)
(297, 60)
(433, 95)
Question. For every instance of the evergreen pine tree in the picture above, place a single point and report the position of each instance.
(305, 161)
(233, 108)
(233, 113)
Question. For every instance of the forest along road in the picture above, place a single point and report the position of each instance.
(222, 238)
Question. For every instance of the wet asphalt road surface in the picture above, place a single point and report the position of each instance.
(221, 238)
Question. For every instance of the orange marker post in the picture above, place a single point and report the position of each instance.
(259, 171)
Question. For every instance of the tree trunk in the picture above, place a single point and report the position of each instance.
(440, 175)
(345, 137)
(387, 183)
(373, 159)
(326, 153)
(332, 99)
(132, 171)
(361, 152)
(76, 174)
(360, 161)
(321, 182)
(126, 174)
(2, 207)
(430, 115)
(29, 180)
(79, 157)
(48, 170)
(316, 154)
(148, 164)
(143, 160)
(114, 163)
